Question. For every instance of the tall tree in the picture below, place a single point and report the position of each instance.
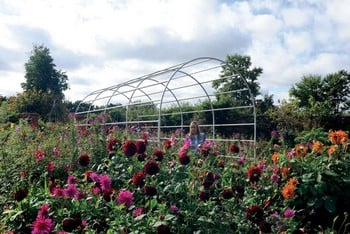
(237, 66)
(332, 92)
(44, 80)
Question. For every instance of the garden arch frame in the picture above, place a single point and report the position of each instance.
(149, 102)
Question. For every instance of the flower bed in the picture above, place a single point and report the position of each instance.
(62, 179)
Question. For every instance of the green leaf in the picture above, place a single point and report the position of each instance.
(330, 204)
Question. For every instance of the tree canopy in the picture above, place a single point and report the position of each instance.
(44, 86)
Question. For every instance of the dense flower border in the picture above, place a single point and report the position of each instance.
(92, 181)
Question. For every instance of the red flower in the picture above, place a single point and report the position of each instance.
(39, 155)
(234, 149)
(227, 193)
(254, 174)
(129, 148)
(108, 194)
(167, 144)
(141, 157)
(138, 179)
(184, 158)
(140, 146)
(203, 196)
(151, 167)
(159, 154)
(114, 144)
(84, 160)
(150, 190)
(50, 166)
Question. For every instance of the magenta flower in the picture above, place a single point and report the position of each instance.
(174, 209)
(105, 182)
(289, 213)
(125, 197)
(71, 190)
(44, 211)
(71, 179)
(42, 225)
(50, 166)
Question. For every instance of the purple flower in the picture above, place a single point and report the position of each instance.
(289, 213)
(241, 160)
(105, 182)
(174, 209)
(42, 225)
(71, 191)
(125, 197)
(71, 179)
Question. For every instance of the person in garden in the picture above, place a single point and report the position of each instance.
(195, 136)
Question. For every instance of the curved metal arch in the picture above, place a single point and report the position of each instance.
(189, 75)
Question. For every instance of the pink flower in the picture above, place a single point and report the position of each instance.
(289, 213)
(105, 182)
(96, 190)
(71, 179)
(137, 212)
(42, 225)
(58, 192)
(174, 209)
(44, 211)
(71, 191)
(39, 155)
(125, 197)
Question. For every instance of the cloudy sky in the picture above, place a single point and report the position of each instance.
(100, 43)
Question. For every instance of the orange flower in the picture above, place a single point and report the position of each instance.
(284, 171)
(288, 191)
(338, 137)
(331, 149)
(318, 147)
(274, 157)
(301, 150)
(292, 181)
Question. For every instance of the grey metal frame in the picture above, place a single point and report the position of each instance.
(179, 82)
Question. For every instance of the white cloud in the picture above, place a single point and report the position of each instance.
(100, 43)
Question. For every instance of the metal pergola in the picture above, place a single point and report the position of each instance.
(150, 101)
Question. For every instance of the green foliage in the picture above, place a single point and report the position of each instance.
(44, 86)
(237, 66)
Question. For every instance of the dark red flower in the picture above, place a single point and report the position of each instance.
(239, 191)
(159, 154)
(151, 167)
(163, 229)
(254, 174)
(138, 179)
(108, 194)
(167, 144)
(205, 151)
(206, 178)
(227, 193)
(204, 196)
(69, 224)
(150, 190)
(141, 157)
(113, 144)
(20, 194)
(140, 146)
(84, 160)
(255, 214)
(129, 148)
(265, 227)
(234, 149)
(184, 159)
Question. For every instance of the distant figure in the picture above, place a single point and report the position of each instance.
(195, 136)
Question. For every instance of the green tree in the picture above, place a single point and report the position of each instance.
(329, 95)
(44, 86)
(237, 66)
